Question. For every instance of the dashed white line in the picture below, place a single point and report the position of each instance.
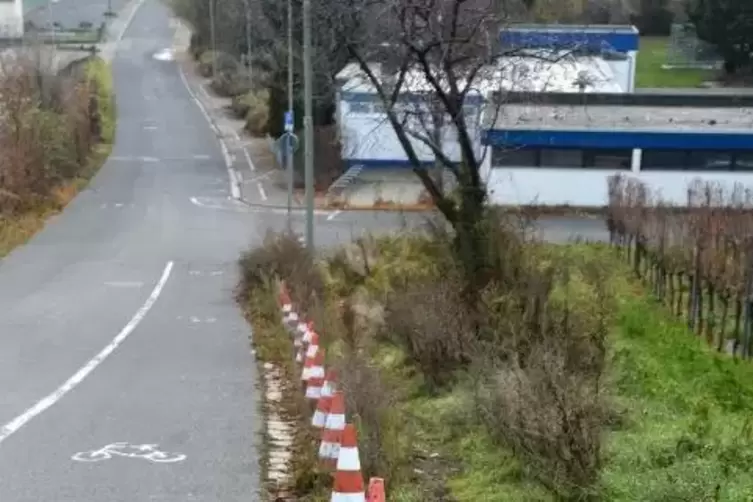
(17, 423)
(262, 192)
(248, 160)
(333, 215)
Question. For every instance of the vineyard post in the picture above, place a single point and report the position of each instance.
(695, 287)
(748, 305)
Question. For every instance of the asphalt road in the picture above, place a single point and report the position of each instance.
(338, 227)
(118, 322)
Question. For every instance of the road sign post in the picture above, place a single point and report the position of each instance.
(290, 147)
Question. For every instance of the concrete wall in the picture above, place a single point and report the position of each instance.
(11, 19)
(588, 187)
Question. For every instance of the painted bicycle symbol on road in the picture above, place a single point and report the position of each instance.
(145, 451)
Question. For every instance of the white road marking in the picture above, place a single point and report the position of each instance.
(201, 157)
(119, 204)
(150, 128)
(17, 423)
(234, 186)
(124, 284)
(235, 134)
(164, 55)
(333, 215)
(134, 159)
(262, 192)
(128, 21)
(145, 451)
(248, 160)
(233, 205)
(261, 176)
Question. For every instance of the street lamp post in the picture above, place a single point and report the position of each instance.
(308, 130)
(213, 37)
(248, 36)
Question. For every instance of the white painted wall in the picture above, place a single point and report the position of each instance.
(369, 136)
(11, 19)
(588, 187)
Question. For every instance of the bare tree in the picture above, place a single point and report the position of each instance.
(443, 54)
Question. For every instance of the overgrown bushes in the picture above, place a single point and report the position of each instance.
(50, 127)
(529, 357)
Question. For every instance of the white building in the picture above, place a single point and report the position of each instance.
(11, 19)
(558, 155)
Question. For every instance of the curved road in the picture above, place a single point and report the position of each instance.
(118, 322)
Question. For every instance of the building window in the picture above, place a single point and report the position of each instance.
(743, 161)
(709, 160)
(664, 160)
(358, 107)
(561, 157)
(515, 157)
(609, 159)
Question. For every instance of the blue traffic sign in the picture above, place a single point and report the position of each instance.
(289, 121)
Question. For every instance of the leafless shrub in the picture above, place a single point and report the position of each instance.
(282, 256)
(45, 130)
(540, 382)
(431, 322)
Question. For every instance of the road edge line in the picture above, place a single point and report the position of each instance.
(235, 189)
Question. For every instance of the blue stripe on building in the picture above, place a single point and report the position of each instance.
(620, 139)
(620, 40)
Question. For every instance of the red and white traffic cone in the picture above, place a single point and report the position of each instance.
(298, 342)
(310, 332)
(320, 414)
(316, 369)
(328, 387)
(334, 424)
(314, 388)
(376, 491)
(348, 486)
(309, 361)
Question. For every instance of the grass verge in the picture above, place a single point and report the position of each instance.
(16, 230)
(678, 427)
(649, 72)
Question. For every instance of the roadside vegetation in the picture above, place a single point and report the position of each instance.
(565, 379)
(57, 132)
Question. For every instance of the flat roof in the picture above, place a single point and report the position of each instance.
(626, 118)
(569, 28)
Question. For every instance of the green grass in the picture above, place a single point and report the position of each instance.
(688, 433)
(685, 430)
(652, 55)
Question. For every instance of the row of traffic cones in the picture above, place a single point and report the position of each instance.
(338, 446)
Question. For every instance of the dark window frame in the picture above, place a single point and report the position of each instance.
(587, 156)
(542, 150)
(683, 166)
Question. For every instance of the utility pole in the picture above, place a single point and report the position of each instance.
(308, 126)
(214, 39)
(248, 36)
(289, 143)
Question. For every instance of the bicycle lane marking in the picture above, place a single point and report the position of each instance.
(122, 449)
(45, 403)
